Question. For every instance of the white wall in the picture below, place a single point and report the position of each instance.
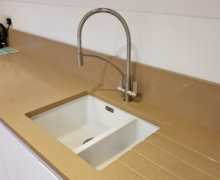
(1, 13)
(178, 35)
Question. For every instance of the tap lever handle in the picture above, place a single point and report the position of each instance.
(120, 83)
(135, 87)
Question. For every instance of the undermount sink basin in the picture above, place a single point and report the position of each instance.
(95, 130)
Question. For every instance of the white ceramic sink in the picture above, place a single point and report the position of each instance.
(95, 130)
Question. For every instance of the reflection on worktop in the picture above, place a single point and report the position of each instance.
(7, 50)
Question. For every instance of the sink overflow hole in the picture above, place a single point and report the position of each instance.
(87, 140)
(109, 109)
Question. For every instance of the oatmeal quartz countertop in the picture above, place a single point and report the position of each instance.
(44, 72)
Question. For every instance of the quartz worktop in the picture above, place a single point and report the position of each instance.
(44, 73)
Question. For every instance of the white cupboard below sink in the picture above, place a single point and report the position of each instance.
(18, 162)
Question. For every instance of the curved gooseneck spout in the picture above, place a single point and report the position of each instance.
(80, 55)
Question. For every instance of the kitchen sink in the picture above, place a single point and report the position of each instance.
(95, 130)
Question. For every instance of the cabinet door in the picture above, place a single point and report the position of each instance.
(18, 162)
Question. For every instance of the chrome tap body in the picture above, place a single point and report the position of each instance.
(126, 89)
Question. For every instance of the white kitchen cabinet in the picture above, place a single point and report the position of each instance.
(18, 162)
